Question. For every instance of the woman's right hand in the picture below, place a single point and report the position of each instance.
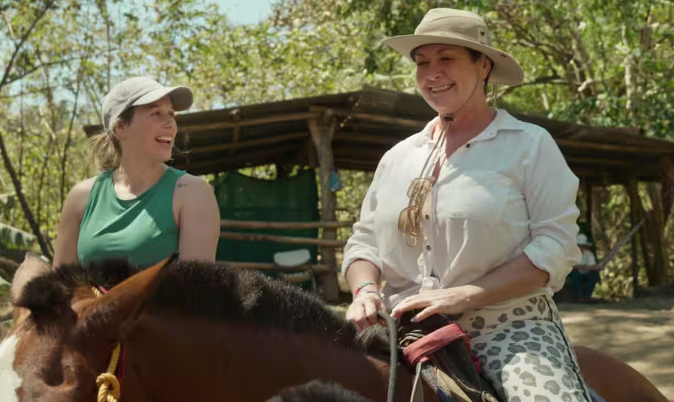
(363, 310)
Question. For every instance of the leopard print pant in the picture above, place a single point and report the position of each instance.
(525, 353)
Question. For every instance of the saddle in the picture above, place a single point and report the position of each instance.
(440, 353)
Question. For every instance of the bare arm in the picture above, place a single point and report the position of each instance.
(69, 223)
(363, 310)
(360, 272)
(199, 219)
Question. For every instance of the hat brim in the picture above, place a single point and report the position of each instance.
(181, 97)
(506, 70)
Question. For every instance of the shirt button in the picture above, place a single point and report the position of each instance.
(428, 216)
(468, 145)
(428, 247)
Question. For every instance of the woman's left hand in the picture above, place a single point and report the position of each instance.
(450, 301)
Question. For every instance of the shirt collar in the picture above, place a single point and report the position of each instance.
(502, 121)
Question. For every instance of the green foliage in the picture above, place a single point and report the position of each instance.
(11, 237)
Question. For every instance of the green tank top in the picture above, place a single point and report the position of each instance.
(141, 230)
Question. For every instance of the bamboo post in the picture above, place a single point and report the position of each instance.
(322, 132)
(635, 212)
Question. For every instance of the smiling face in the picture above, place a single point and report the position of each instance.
(151, 132)
(447, 75)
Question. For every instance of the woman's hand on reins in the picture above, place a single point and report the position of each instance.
(452, 301)
(364, 309)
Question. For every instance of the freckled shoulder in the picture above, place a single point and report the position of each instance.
(189, 181)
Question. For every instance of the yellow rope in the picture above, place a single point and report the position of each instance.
(107, 383)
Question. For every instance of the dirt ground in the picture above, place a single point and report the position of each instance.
(638, 332)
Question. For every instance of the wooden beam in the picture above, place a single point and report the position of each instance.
(318, 268)
(395, 121)
(667, 192)
(234, 224)
(659, 275)
(588, 206)
(565, 143)
(360, 153)
(329, 243)
(667, 164)
(598, 161)
(236, 161)
(355, 164)
(196, 127)
(250, 143)
(616, 136)
(354, 136)
(633, 192)
(322, 132)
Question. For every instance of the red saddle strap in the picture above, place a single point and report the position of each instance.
(426, 346)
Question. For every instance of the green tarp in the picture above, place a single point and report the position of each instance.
(285, 199)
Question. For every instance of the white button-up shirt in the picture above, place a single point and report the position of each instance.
(506, 192)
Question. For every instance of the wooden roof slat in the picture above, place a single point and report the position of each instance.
(196, 127)
(564, 143)
(250, 143)
(372, 120)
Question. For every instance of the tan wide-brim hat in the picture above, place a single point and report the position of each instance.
(460, 28)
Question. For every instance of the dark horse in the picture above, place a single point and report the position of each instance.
(202, 332)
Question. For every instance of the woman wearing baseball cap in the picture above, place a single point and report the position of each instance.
(473, 218)
(138, 207)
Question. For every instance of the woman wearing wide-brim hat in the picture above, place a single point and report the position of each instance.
(473, 216)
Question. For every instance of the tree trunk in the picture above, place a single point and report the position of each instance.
(630, 85)
(35, 227)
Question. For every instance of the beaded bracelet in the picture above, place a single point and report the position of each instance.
(359, 288)
(364, 292)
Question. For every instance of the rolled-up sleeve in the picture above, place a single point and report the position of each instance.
(550, 190)
(362, 245)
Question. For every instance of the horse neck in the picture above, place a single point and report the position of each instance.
(177, 358)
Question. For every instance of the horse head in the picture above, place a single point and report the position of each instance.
(63, 334)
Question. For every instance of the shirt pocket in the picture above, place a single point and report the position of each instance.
(478, 196)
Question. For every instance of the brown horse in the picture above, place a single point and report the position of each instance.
(201, 332)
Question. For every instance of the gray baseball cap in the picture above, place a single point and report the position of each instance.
(139, 91)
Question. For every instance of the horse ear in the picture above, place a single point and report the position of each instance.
(31, 267)
(117, 310)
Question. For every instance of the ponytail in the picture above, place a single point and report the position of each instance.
(106, 148)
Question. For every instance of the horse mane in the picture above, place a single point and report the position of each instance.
(213, 291)
(318, 391)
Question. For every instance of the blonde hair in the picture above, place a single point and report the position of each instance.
(106, 149)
